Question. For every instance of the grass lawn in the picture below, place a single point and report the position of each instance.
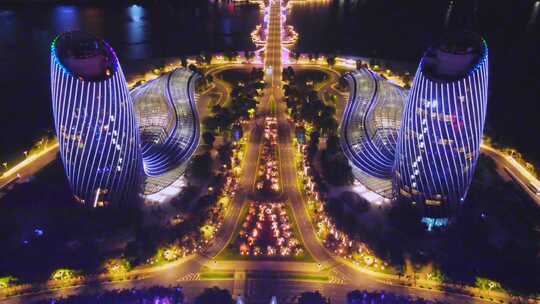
(233, 76)
(314, 75)
(494, 235)
(217, 275)
(323, 277)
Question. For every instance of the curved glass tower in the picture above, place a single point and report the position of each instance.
(370, 127)
(94, 120)
(442, 127)
(169, 126)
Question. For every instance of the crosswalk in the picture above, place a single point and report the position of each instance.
(192, 276)
(336, 280)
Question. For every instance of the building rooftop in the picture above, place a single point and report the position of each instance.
(454, 56)
(85, 56)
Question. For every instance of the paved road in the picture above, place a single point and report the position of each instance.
(291, 189)
(30, 166)
(520, 176)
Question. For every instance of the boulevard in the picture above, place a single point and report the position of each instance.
(249, 280)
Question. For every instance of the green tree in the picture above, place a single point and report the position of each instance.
(328, 111)
(331, 60)
(332, 144)
(225, 154)
(486, 284)
(214, 295)
(207, 57)
(288, 73)
(328, 125)
(231, 55)
(201, 166)
(355, 296)
(183, 61)
(209, 138)
(256, 75)
(312, 298)
(8, 281)
(211, 123)
(336, 169)
(224, 119)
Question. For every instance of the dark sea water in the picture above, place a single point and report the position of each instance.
(391, 29)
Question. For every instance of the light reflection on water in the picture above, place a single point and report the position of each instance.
(149, 30)
(65, 18)
(137, 31)
(384, 28)
(534, 16)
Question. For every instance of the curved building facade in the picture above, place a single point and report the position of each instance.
(169, 127)
(442, 126)
(370, 127)
(94, 120)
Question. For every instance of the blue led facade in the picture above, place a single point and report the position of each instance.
(117, 145)
(371, 123)
(94, 120)
(370, 127)
(169, 126)
(441, 131)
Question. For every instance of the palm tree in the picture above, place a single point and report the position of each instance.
(225, 153)
(328, 125)
(183, 61)
(312, 298)
(228, 55)
(214, 295)
(328, 111)
(207, 57)
(331, 60)
(201, 166)
(332, 144)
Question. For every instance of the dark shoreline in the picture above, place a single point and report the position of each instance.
(78, 2)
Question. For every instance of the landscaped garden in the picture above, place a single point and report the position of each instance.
(268, 170)
(266, 232)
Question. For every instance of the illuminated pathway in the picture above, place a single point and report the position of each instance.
(272, 60)
(30, 166)
(520, 175)
(356, 278)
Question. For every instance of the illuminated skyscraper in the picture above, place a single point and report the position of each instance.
(94, 120)
(441, 131)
